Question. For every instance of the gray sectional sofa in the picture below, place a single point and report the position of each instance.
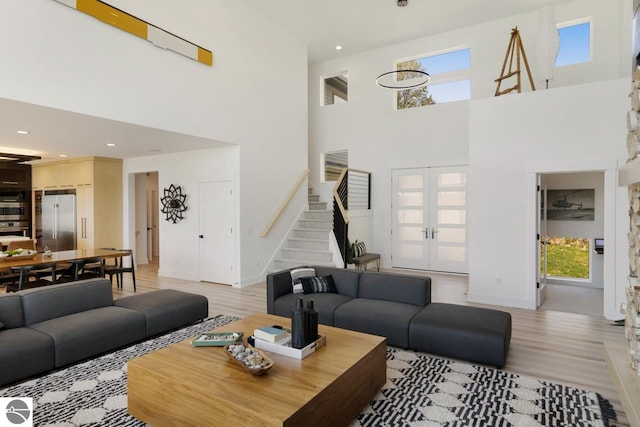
(399, 308)
(50, 327)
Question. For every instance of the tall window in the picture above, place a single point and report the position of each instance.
(335, 89)
(449, 82)
(575, 43)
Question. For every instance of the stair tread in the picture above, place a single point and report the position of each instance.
(307, 250)
(297, 261)
(306, 239)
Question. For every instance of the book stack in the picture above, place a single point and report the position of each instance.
(272, 334)
(278, 340)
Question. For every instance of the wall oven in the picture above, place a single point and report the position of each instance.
(14, 211)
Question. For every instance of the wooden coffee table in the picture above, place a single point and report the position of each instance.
(185, 385)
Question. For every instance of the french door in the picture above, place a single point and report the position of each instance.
(429, 228)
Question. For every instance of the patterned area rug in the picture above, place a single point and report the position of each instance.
(421, 390)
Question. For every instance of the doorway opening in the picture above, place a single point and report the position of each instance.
(147, 231)
(571, 216)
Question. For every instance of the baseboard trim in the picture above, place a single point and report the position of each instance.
(499, 300)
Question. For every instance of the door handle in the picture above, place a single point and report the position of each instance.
(433, 233)
(426, 232)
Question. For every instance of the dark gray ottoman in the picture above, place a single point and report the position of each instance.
(167, 309)
(469, 333)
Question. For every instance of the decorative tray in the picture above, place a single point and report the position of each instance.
(216, 339)
(250, 358)
(8, 258)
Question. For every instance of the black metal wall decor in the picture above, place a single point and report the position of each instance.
(173, 203)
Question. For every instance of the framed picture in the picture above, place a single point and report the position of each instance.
(571, 205)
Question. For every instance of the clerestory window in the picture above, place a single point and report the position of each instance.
(450, 78)
(575, 43)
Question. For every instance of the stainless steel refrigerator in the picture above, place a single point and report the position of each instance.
(59, 220)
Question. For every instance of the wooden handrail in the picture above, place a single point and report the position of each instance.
(285, 204)
(336, 196)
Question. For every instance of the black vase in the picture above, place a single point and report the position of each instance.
(297, 325)
(311, 322)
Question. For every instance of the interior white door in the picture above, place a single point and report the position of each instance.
(149, 227)
(429, 229)
(217, 240)
(541, 253)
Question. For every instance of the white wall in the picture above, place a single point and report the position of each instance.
(567, 129)
(179, 243)
(580, 229)
(254, 96)
(581, 117)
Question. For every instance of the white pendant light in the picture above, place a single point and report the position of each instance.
(547, 44)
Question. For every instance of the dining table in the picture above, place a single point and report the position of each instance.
(58, 257)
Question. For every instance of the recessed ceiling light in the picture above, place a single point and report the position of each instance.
(63, 155)
(111, 144)
(338, 47)
(23, 132)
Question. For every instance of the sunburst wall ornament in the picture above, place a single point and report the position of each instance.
(173, 203)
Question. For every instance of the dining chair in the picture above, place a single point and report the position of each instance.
(119, 269)
(21, 244)
(29, 276)
(10, 277)
(77, 271)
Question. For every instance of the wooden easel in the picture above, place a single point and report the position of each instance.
(515, 47)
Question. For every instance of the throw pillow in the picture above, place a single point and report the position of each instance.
(318, 285)
(359, 249)
(297, 274)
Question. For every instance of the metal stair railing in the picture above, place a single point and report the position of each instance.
(352, 191)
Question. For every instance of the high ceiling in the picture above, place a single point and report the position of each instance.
(360, 25)
(357, 25)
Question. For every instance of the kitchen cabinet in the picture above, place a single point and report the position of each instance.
(85, 218)
(15, 177)
(65, 174)
(97, 182)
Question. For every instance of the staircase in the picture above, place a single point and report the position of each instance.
(308, 241)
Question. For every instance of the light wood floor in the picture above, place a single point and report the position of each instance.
(562, 347)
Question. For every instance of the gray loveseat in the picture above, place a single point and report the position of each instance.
(399, 308)
(50, 327)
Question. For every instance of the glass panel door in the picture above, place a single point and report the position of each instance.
(429, 219)
(448, 239)
(409, 246)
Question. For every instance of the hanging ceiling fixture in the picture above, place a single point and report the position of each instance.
(402, 3)
(547, 44)
(403, 79)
